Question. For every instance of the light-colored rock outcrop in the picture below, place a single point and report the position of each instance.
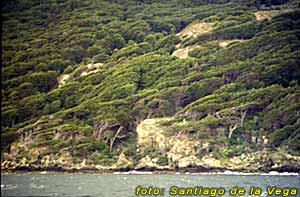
(149, 134)
(179, 149)
(225, 43)
(195, 28)
(91, 69)
(146, 162)
(181, 53)
(123, 162)
(83, 70)
(269, 14)
(62, 79)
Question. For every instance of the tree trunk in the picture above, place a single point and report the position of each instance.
(231, 130)
(243, 116)
(112, 140)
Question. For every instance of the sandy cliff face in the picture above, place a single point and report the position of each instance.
(182, 151)
(150, 134)
(179, 150)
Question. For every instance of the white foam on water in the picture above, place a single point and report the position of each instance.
(289, 174)
(228, 172)
(36, 186)
(274, 173)
(140, 172)
(8, 186)
(134, 172)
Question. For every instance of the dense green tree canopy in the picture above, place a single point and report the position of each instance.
(76, 66)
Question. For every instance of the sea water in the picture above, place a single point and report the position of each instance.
(111, 185)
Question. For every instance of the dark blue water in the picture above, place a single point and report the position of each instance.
(110, 185)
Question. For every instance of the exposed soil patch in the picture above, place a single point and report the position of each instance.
(81, 71)
(225, 43)
(195, 28)
(62, 79)
(182, 53)
(91, 68)
(269, 14)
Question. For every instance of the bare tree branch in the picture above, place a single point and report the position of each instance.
(112, 140)
(232, 128)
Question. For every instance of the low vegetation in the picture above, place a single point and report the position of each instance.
(245, 94)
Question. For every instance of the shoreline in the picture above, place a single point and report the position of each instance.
(132, 171)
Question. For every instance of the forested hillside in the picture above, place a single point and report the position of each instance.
(151, 83)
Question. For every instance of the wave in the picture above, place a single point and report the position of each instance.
(8, 186)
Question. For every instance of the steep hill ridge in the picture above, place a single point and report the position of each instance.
(234, 98)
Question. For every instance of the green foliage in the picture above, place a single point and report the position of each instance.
(280, 135)
(139, 78)
(195, 53)
(75, 55)
(167, 44)
(52, 107)
(135, 30)
(8, 136)
(57, 65)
